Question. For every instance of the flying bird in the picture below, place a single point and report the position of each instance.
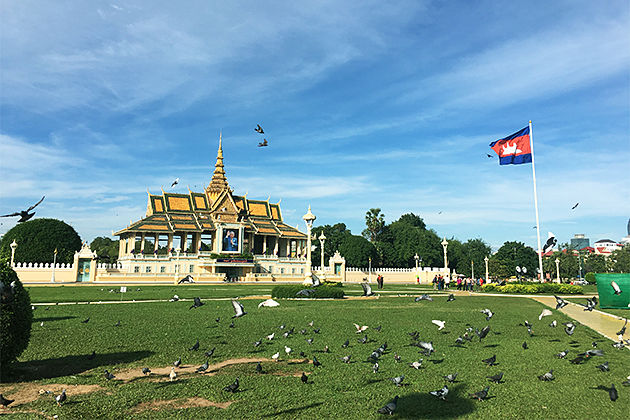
(575, 206)
(263, 143)
(545, 312)
(560, 303)
(427, 348)
(440, 393)
(483, 333)
(196, 303)
(615, 287)
(367, 289)
(489, 155)
(603, 367)
(359, 328)
(61, 398)
(175, 182)
(424, 297)
(269, 303)
(569, 328)
(622, 331)
(439, 323)
(24, 214)
(259, 129)
(389, 408)
(551, 242)
(239, 311)
(489, 314)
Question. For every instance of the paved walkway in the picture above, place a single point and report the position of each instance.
(604, 323)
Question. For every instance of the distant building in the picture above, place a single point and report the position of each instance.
(579, 241)
(606, 246)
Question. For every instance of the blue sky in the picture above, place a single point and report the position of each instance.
(364, 105)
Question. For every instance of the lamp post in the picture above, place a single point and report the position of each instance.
(445, 245)
(416, 257)
(322, 239)
(558, 270)
(485, 259)
(309, 218)
(13, 248)
(369, 269)
(52, 277)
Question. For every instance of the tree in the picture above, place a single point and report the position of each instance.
(412, 220)
(595, 263)
(513, 254)
(375, 222)
(472, 250)
(105, 248)
(620, 260)
(37, 240)
(357, 251)
(16, 317)
(334, 237)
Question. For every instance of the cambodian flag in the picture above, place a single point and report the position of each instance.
(514, 149)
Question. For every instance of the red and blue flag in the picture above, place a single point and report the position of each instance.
(514, 149)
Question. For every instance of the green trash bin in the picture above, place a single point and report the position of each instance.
(607, 296)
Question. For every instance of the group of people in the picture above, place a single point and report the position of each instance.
(467, 284)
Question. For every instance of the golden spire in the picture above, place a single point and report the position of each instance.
(219, 181)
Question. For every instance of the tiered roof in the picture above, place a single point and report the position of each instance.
(199, 211)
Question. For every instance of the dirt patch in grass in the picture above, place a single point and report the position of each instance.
(161, 374)
(24, 393)
(192, 402)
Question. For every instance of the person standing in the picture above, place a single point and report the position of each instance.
(435, 282)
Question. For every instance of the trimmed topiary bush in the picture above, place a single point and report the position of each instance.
(323, 291)
(590, 278)
(532, 289)
(16, 316)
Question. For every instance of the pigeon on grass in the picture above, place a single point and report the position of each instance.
(389, 408)
(547, 376)
(491, 361)
(4, 402)
(440, 393)
(398, 380)
(61, 398)
(496, 378)
(233, 387)
(481, 395)
(196, 303)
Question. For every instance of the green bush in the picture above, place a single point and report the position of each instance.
(323, 291)
(37, 240)
(590, 278)
(16, 316)
(532, 289)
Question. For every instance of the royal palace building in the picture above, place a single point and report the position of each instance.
(212, 235)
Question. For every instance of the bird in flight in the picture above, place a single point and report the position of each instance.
(489, 155)
(259, 129)
(175, 182)
(24, 214)
(575, 206)
(263, 143)
(551, 242)
(239, 311)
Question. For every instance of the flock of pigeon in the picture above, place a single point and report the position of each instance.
(425, 348)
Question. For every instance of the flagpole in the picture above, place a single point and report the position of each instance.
(531, 144)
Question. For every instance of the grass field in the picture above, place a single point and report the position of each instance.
(624, 313)
(156, 334)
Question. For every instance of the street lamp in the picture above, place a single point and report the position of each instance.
(52, 277)
(369, 269)
(322, 239)
(309, 218)
(177, 251)
(13, 248)
(417, 258)
(485, 259)
(558, 270)
(445, 245)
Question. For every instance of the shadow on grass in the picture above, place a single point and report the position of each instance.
(68, 365)
(52, 318)
(426, 406)
(294, 410)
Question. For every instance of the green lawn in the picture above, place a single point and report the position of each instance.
(624, 313)
(156, 334)
(95, 293)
